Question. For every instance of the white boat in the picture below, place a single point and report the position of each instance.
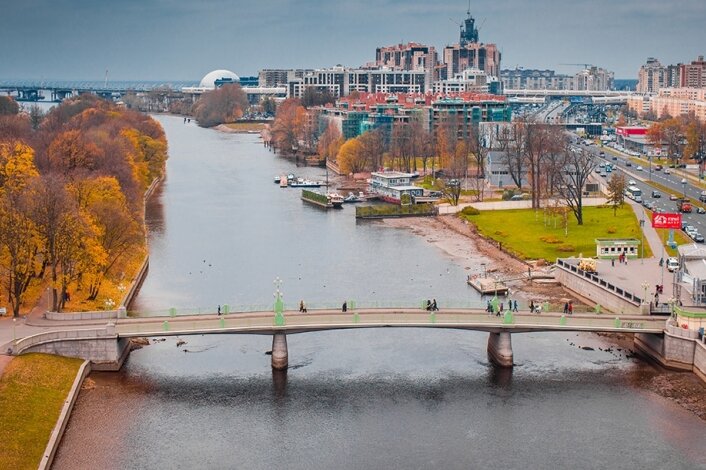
(353, 198)
(305, 183)
(336, 200)
(283, 181)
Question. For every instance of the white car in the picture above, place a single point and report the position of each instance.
(638, 168)
(672, 264)
(667, 172)
(632, 183)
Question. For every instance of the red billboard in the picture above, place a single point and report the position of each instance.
(660, 220)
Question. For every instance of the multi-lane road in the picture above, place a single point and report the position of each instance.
(674, 180)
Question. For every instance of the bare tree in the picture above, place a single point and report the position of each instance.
(578, 164)
(511, 142)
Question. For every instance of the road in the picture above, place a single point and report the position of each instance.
(644, 178)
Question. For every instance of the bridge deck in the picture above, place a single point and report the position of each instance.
(264, 322)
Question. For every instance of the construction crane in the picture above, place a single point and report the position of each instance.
(584, 65)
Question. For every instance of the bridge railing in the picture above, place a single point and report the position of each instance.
(27, 342)
(320, 320)
(354, 304)
(619, 291)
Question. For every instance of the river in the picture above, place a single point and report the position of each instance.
(221, 231)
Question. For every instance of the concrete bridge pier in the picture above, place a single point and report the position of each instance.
(499, 349)
(280, 356)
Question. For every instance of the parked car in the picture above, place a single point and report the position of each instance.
(700, 210)
(698, 238)
(656, 194)
(672, 264)
(667, 171)
(672, 197)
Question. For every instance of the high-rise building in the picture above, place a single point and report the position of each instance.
(693, 75)
(652, 76)
(469, 53)
(411, 56)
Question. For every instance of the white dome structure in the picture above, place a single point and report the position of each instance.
(221, 76)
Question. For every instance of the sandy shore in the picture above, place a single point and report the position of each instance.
(457, 239)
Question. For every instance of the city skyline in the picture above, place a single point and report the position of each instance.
(172, 40)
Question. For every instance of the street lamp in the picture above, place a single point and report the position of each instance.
(645, 285)
(14, 333)
(683, 185)
(642, 242)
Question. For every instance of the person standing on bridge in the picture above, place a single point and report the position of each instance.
(514, 309)
(434, 308)
(219, 309)
(571, 307)
(302, 306)
(344, 308)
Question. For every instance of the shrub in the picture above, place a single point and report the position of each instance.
(611, 229)
(566, 248)
(552, 240)
(470, 210)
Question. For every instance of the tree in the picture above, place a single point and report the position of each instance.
(578, 164)
(70, 152)
(316, 97)
(51, 212)
(512, 139)
(225, 104)
(19, 247)
(372, 145)
(269, 106)
(8, 106)
(16, 166)
(36, 116)
(351, 158)
(288, 128)
(330, 142)
(616, 191)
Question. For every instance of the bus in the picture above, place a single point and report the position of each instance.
(634, 193)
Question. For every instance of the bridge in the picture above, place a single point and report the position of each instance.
(576, 96)
(108, 345)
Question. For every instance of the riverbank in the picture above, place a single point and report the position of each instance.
(465, 246)
(33, 392)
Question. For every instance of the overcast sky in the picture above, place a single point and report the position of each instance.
(180, 40)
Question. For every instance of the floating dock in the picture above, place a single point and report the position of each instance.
(488, 286)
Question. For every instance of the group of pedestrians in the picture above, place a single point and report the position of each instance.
(512, 306)
(569, 307)
(431, 306)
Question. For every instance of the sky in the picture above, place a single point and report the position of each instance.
(184, 40)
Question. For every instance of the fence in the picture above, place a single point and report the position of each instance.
(630, 297)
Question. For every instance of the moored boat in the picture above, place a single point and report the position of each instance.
(336, 200)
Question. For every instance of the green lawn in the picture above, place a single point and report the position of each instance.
(530, 234)
(32, 392)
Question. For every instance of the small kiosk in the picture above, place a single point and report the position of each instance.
(608, 248)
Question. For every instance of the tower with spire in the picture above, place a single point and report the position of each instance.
(469, 32)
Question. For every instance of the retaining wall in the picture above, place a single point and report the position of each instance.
(58, 431)
(700, 360)
(596, 293)
(100, 346)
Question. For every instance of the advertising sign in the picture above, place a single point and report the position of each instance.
(666, 220)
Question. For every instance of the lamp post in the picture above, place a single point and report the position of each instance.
(649, 159)
(14, 332)
(645, 285)
(279, 304)
(642, 242)
(683, 186)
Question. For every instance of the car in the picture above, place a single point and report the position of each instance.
(672, 264)
(667, 171)
(672, 197)
(698, 238)
(628, 163)
(517, 197)
(638, 168)
(614, 157)
(631, 183)
(658, 167)
(700, 210)
(648, 205)
(656, 194)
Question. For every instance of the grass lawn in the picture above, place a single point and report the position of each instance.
(530, 235)
(32, 391)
